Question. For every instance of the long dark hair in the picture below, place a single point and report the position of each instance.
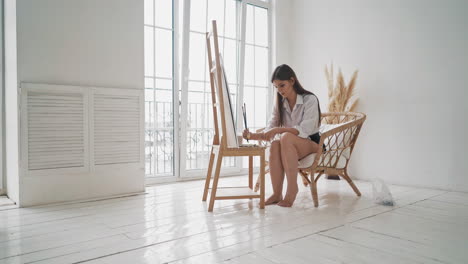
(285, 73)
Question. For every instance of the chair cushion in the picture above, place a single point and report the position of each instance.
(308, 160)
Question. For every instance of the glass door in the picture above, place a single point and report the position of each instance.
(161, 114)
(257, 91)
(198, 130)
(179, 145)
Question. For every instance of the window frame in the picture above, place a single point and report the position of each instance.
(181, 55)
(261, 4)
(154, 178)
(267, 5)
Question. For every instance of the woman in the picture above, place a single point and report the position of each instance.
(296, 117)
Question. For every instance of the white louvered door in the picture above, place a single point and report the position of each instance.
(56, 130)
(80, 142)
(116, 127)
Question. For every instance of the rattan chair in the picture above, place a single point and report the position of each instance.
(339, 132)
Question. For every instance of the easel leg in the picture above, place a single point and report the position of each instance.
(215, 181)
(208, 175)
(250, 172)
(262, 181)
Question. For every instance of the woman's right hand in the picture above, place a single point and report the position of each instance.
(244, 134)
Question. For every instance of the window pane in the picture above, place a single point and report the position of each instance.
(164, 13)
(261, 97)
(149, 83)
(196, 97)
(149, 51)
(249, 65)
(149, 125)
(209, 123)
(197, 135)
(149, 96)
(163, 84)
(163, 94)
(163, 154)
(163, 128)
(261, 26)
(249, 26)
(216, 12)
(149, 12)
(230, 19)
(149, 151)
(197, 56)
(249, 100)
(163, 53)
(196, 86)
(198, 15)
(261, 66)
(159, 120)
(163, 118)
(149, 110)
(230, 60)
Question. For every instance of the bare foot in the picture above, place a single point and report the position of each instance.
(273, 199)
(285, 204)
(288, 200)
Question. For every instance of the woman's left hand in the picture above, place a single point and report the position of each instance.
(270, 134)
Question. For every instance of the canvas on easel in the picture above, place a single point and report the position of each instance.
(225, 142)
(231, 133)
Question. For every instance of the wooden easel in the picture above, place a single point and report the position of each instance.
(220, 148)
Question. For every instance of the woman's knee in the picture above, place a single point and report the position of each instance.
(287, 138)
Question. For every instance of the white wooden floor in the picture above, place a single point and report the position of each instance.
(5, 202)
(171, 224)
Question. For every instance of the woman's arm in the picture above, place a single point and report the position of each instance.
(281, 130)
(270, 134)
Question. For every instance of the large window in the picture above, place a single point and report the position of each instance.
(248, 79)
(159, 86)
(257, 92)
(256, 70)
(199, 126)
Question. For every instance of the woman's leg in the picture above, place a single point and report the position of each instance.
(276, 173)
(293, 148)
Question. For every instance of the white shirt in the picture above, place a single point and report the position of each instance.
(304, 116)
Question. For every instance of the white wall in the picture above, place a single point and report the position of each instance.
(281, 33)
(96, 43)
(81, 42)
(412, 58)
(11, 106)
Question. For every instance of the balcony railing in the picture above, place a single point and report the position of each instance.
(159, 138)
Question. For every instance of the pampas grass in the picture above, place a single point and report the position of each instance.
(341, 96)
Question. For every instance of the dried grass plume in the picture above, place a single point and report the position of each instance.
(341, 96)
